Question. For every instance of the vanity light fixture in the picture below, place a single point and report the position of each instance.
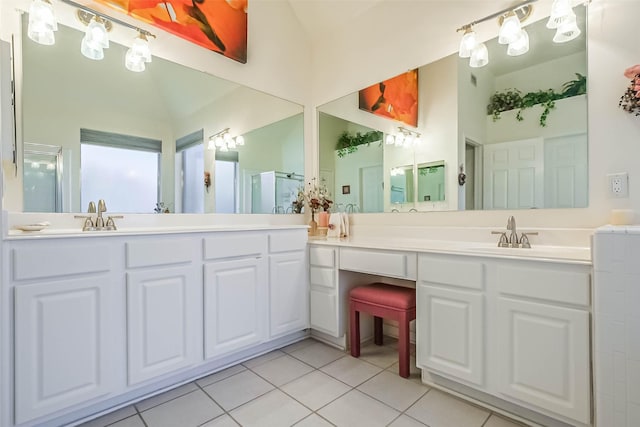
(404, 138)
(223, 141)
(396, 171)
(520, 46)
(510, 29)
(42, 22)
(468, 42)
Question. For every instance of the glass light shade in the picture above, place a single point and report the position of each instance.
(134, 62)
(140, 48)
(399, 140)
(510, 29)
(223, 148)
(211, 145)
(219, 141)
(42, 22)
(91, 51)
(520, 46)
(226, 137)
(479, 56)
(231, 144)
(239, 140)
(389, 139)
(567, 31)
(96, 33)
(560, 10)
(468, 42)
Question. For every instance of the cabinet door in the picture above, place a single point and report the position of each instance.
(324, 312)
(450, 329)
(288, 293)
(63, 340)
(235, 305)
(164, 321)
(545, 356)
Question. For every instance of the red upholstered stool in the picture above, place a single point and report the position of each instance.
(383, 301)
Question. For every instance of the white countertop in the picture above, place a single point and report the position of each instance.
(563, 254)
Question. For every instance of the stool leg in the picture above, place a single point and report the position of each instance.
(354, 329)
(403, 345)
(377, 330)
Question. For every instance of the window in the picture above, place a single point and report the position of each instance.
(121, 169)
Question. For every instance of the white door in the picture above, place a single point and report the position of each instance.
(450, 326)
(371, 182)
(63, 340)
(514, 174)
(164, 321)
(235, 305)
(544, 357)
(288, 293)
(566, 179)
(324, 314)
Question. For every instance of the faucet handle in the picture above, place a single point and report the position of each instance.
(503, 242)
(524, 239)
(111, 224)
(91, 208)
(88, 222)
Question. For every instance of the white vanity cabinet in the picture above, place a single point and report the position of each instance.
(288, 284)
(515, 329)
(543, 329)
(236, 292)
(65, 302)
(164, 309)
(451, 317)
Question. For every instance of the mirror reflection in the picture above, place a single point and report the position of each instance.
(533, 156)
(141, 140)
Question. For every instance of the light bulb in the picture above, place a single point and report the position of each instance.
(520, 46)
(510, 29)
(479, 56)
(468, 42)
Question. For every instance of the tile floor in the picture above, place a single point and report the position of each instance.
(307, 384)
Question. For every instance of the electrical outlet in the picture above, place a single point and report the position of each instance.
(618, 184)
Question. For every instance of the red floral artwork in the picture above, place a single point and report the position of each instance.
(395, 98)
(218, 25)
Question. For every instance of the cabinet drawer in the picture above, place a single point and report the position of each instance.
(154, 252)
(549, 282)
(384, 263)
(322, 257)
(287, 241)
(321, 276)
(230, 245)
(38, 261)
(450, 271)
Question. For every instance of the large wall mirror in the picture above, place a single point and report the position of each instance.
(510, 162)
(95, 130)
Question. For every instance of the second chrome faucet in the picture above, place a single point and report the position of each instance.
(510, 239)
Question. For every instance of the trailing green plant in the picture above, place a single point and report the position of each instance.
(512, 99)
(348, 143)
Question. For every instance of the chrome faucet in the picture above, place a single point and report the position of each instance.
(513, 236)
(102, 207)
(99, 223)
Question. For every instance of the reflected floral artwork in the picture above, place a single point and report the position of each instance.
(395, 98)
(218, 25)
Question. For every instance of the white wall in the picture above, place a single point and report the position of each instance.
(414, 35)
